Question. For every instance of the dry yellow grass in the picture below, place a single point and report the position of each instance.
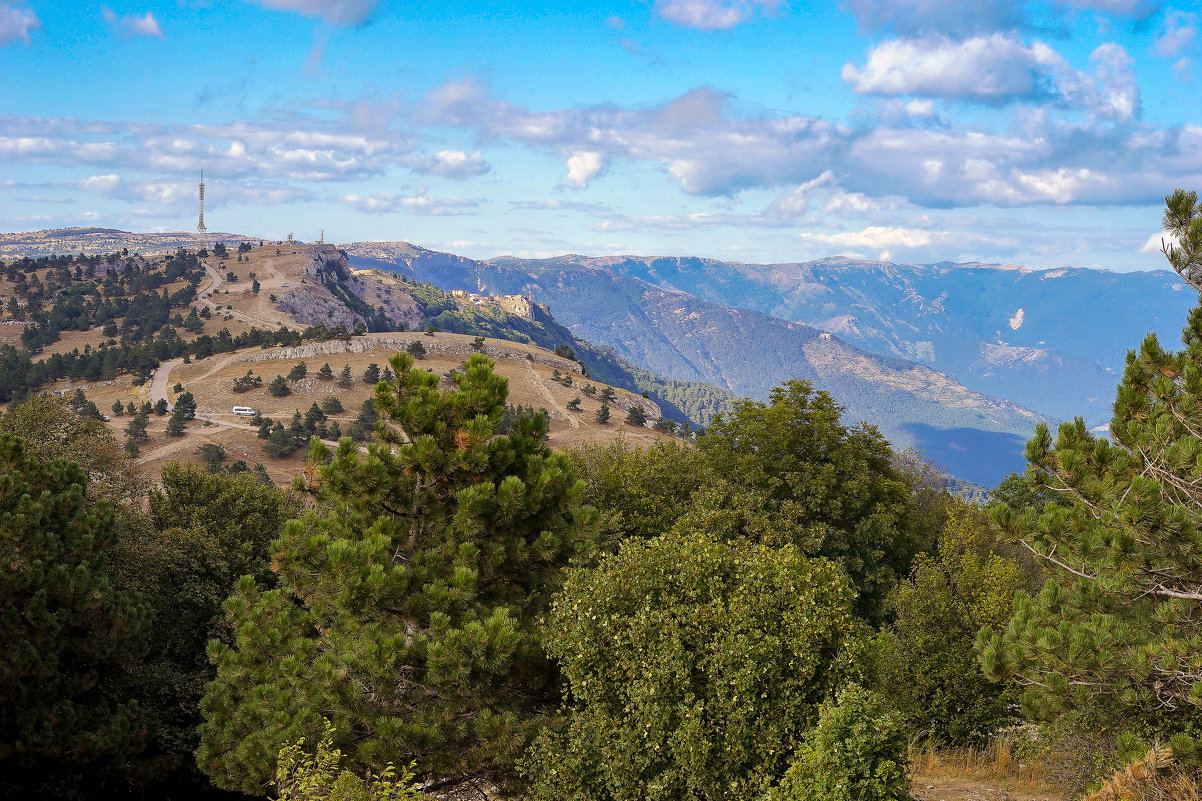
(992, 771)
(1153, 777)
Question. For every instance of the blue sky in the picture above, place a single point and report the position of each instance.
(1041, 133)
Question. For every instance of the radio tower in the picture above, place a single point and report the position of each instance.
(202, 234)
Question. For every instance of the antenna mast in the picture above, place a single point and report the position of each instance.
(202, 234)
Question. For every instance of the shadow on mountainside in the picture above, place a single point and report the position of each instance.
(971, 454)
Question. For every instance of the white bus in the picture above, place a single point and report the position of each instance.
(244, 411)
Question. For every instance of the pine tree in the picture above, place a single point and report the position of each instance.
(636, 416)
(176, 423)
(372, 374)
(1118, 624)
(344, 378)
(407, 608)
(298, 372)
(136, 429)
(602, 415)
(325, 373)
(279, 387)
(68, 634)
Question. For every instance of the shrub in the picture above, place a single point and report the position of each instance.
(857, 752)
(695, 667)
(303, 777)
(331, 405)
(279, 387)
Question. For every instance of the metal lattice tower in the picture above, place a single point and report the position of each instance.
(202, 233)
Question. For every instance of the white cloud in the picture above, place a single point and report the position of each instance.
(15, 23)
(302, 149)
(797, 202)
(332, 12)
(452, 164)
(417, 203)
(711, 15)
(990, 69)
(101, 184)
(879, 239)
(132, 24)
(1177, 33)
(584, 167)
(177, 194)
(997, 69)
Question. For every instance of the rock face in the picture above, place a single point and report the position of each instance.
(310, 305)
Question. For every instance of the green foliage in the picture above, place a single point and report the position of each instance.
(66, 724)
(602, 416)
(331, 405)
(135, 430)
(247, 382)
(186, 405)
(416, 349)
(565, 351)
(407, 605)
(478, 344)
(372, 374)
(857, 752)
(1118, 623)
(695, 666)
(344, 377)
(51, 430)
(279, 387)
(300, 776)
(204, 532)
(789, 471)
(298, 371)
(177, 423)
(325, 373)
(636, 416)
(639, 492)
(927, 658)
(213, 455)
(574, 404)
(1020, 492)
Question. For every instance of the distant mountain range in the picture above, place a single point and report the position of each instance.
(682, 336)
(1052, 340)
(959, 360)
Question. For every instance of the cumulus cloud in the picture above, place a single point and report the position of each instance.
(992, 69)
(132, 24)
(16, 22)
(332, 12)
(997, 69)
(711, 15)
(417, 203)
(451, 164)
(584, 167)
